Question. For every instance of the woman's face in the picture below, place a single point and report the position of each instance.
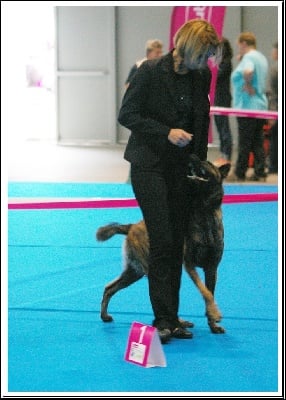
(201, 61)
(155, 53)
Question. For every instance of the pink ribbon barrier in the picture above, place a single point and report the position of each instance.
(250, 198)
(235, 112)
(126, 203)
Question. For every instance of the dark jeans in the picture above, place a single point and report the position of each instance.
(161, 195)
(250, 139)
(225, 137)
(273, 156)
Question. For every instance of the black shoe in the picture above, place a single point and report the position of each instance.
(234, 178)
(185, 324)
(164, 335)
(181, 333)
(273, 171)
(258, 178)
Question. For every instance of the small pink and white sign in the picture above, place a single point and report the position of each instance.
(144, 346)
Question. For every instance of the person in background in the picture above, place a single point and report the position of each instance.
(153, 49)
(166, 107)
(273, 105)
(223, 99)
(248, 81)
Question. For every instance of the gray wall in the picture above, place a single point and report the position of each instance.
(135, 25)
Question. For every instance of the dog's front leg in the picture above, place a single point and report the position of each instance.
(212, 312)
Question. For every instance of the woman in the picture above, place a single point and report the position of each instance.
(223, 99)
(273, 105)
(166, 108)
(248, 82)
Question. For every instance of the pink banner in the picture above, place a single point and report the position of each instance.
(213, 14)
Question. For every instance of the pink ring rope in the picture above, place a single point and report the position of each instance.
(123, 203)
(126, 203)
(244, 113)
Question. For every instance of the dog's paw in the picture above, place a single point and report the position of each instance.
(106, 318)
(216, 328)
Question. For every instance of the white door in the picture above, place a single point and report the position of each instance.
(85, 75)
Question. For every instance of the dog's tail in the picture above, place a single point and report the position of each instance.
(106, 232)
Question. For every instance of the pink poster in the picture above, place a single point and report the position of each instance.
(213, 14)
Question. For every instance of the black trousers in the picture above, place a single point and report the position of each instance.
(250, 139)
(162, 196)
(225, 137)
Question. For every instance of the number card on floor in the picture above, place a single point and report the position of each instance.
(144, 346)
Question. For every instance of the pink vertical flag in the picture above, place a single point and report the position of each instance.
(213, 14)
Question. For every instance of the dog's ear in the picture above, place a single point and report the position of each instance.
(224, 170)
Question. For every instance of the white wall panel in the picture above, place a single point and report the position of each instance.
(85, 74)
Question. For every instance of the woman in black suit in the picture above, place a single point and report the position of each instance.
(166, 108)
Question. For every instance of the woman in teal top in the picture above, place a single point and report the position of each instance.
(249, 81)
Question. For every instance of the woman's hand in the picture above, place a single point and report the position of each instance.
(179, 137)
(248, 88)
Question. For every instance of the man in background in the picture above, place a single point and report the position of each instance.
(153, 49)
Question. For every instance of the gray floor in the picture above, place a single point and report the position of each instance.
(45, 161)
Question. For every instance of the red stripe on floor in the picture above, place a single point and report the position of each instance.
(123, 203)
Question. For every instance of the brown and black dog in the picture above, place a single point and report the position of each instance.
(204, 243)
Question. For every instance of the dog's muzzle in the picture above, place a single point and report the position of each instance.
(197, 178)
(194, 176)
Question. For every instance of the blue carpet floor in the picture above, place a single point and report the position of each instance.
(57, 343)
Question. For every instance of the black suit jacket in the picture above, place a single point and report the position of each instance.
(152, 105)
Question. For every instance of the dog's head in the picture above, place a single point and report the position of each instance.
(205, 180)
(205, 171)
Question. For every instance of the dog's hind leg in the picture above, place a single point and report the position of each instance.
(127, 277)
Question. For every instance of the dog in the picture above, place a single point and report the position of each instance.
(204, 241)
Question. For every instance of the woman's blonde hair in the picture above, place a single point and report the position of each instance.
(195, 38)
